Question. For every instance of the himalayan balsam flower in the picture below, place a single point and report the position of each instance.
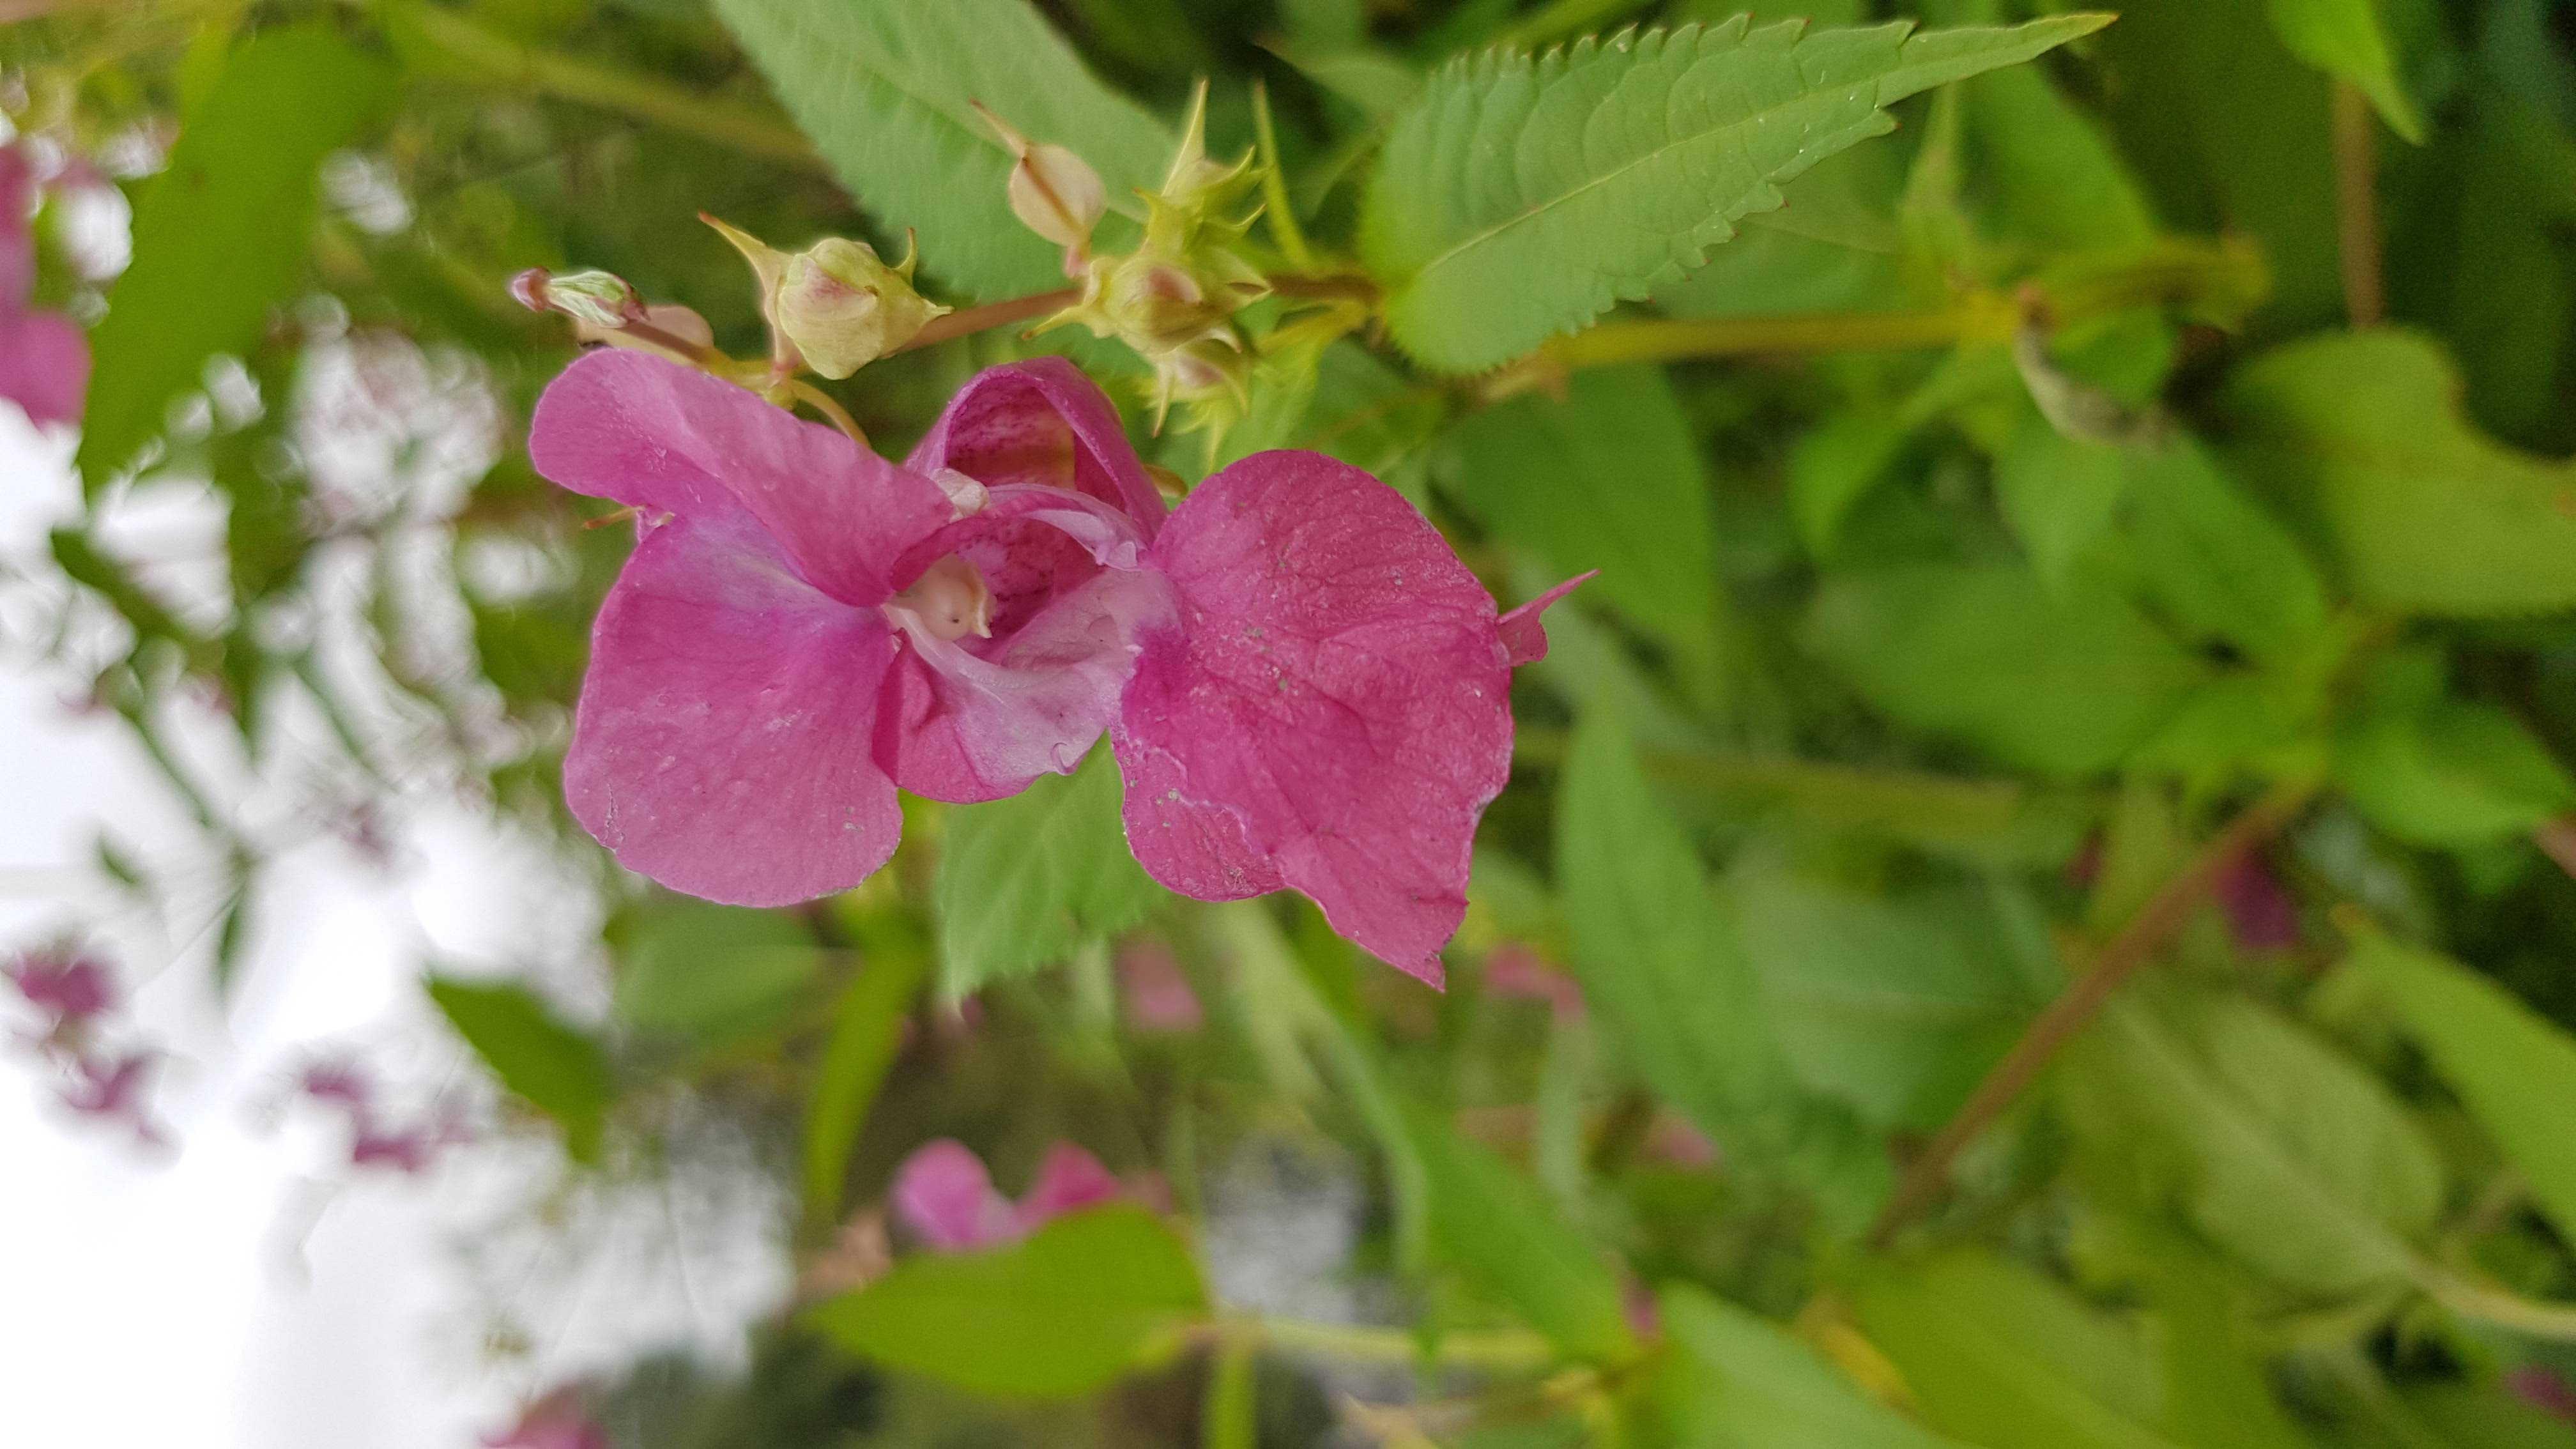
(44, 360)
(943, 1194)
(1303, 685)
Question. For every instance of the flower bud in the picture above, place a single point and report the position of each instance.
(599, 299)
(1054, 192)
(844, 308)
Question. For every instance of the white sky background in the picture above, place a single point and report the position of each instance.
(246, 1291)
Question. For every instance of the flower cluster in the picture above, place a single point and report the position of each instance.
(946, 1198)
(375, 1142)
(1303, 685)
(73, 994)
(44, 360)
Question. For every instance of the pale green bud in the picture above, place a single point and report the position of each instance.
(843, 307)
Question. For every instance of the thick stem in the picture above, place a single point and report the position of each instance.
(1929, 1174)
(1477, 1348)
(2356, 167)
(2555, 1322)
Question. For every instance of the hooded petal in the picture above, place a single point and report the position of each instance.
(943, 1194)
(720, 745)
(1337, 686)
(1041, 421)
(44, 365)
(972, 720)
(665, 438)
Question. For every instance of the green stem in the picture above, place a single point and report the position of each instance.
(959, 323)
(1473, 1348)
(501, 62)
(2552, 1321)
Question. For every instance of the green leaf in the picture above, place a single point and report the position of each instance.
(2058, 494)
(1894, 1006)
(1610, 479)
(1659, 970)
(1509, 1241)
(1740, 1380)
(2049, 180)
(1076, 1304)
(2515, 1068)
(867, 1032)
(707, 969)
(554, 1068)
(2428, 515)
(2214, 561)
(884, 86)
(2009, 1360)
(2344, 38)
(1024, 881)
(221, 234)
(2062, 683)
(2286, 1153)
(2454, 773)
(1521, 197)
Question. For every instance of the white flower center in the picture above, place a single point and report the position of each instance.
(948, 601)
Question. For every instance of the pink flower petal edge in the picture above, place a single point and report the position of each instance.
(1337, 686)
(1524, 636)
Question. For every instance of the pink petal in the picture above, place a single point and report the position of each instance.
(1069, 1180)
(1514, 969)
(44, 365)
(943, 1194)
(669, 439)
(2260, 915)
(1041, 421)
(1524, 637)
(973, 719)
(1154, 990)
(1337, 686)
(17, 243)
(721, 742)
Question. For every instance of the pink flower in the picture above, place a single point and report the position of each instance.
(944, 1195)
(557, 1421)
(1155, 992)
(68, 988)
(1515, 969)
(44, 360)
(1304, 686)
(345, 1086)
(2543, 1390)
(111, 1089)
(2260, 915)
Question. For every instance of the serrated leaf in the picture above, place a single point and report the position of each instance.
(2515, 1068)
(2063, 683)
(2279, 1149)
(1610, 478)
(1024, 881)
(884, 87)
(2429, 515)
(1742, 1380)
(1522, 197)
(1511, 1243)
(1062, 1313)
(1660, 971)
(560, 1071)
(221, 233)
(2007, 1359)
(2344, 38)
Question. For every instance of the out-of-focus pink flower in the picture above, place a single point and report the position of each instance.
(557, 1421)
(944, 1195)
(1156, 993)
(408, 1150)
(66, 986)
(110, 1088)
(1515, 969)
(2260, 914)
(1677, 1143)
(1304, 686)
(2543, 1390)
(44, 359)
